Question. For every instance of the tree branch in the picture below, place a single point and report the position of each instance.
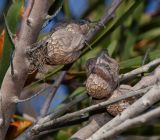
(136, 90)
(144, 82)
(146, 101)
(93, 126)
(97, 119)
(12, 85)
(144, 68)
(57, 127)
(130, 123)
(41, 125)
(66, 107)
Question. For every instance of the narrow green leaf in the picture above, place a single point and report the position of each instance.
(137, 61)
(118, 20)
(151, 34)
(128, 46)
(78, 91)
(12, 18)
(112, 46)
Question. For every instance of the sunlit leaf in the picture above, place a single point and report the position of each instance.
(151, 34)
(137, 61)
(17, 127)
(79, 90)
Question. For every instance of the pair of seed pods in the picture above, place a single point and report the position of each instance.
(63, 46)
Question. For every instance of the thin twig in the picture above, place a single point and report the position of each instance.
(139, 70)
(41, 126)
(17, 100)
(110, 13)
(66, 107)
(28, 92)
(61, 110)
(122, 77)
(50, 96)
(67, 123)
(146, 56)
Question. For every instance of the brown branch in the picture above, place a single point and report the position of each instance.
(12, 85)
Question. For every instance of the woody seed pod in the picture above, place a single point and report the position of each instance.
(62, 46)
(102, 75)
(117, 108)
(36, 56)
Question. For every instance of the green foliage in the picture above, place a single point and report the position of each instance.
(78, 91)
(65, 134)
(122, 34)
(12, 18)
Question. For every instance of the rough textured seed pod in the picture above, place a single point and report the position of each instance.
(62, 46)
(118, 107)
(102, 73)
(65, 44)
(36, 56)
